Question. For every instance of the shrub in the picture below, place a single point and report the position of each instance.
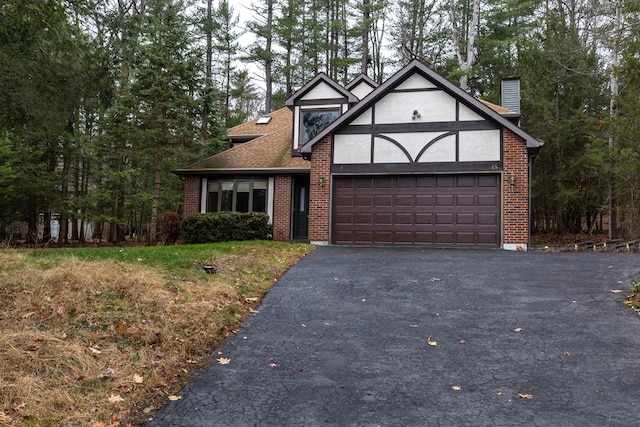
(169, 227)
(225, 226)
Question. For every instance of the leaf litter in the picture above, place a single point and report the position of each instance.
(67, 323)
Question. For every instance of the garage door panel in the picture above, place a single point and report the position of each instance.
(403, 201)
(423, 238)
(466, 218)
(403, 237)
(424, 218)
(465, 200)
(364, 183)
(465, 181)
(488, 219)
(444, 237)
(465, 237)
(488, 238)
(362, 219)
(382, 237)
(344, 219)
(444, 218)
(444, 200)
(403, 218)
(383, 182)
(488, 200)
(363, 201)
(344, 201)
(443, 210)
(424, 199)
(380, 201)
(383, 219)
(443, 181)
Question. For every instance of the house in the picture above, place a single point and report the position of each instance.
(414, 161)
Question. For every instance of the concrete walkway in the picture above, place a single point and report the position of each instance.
(343, 340)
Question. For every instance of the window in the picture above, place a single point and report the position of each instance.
(314, 121)
(241, 195)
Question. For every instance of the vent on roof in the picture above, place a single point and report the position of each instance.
(263, 120)
(510, 94)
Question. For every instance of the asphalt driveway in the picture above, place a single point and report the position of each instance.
(343, 339)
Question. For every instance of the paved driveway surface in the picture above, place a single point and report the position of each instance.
(341, 340)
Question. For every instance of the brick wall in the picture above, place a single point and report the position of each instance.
(320, 194)
(282, 207)
(191, 203)
(515, 203)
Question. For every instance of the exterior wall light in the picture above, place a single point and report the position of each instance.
(321, 180)
(512, 178)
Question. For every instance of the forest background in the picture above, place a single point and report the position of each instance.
(101, 99)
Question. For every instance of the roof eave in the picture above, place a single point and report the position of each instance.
(230, 171)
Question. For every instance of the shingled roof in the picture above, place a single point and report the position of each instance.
(270, 152)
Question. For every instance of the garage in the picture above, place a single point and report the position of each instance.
(438, 210)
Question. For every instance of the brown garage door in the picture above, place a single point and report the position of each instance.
(440, 210)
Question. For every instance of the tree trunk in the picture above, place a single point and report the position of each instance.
(153, 237)
(268, 62)
(366, 25)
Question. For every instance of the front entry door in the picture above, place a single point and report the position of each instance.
(301, 209)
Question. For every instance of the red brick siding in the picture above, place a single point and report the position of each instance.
(282, 207)
(515, 200)
(320, 194)
(191, 195)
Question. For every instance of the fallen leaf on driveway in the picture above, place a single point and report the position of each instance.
(566, 353)
(435, 279)
(223, 361)
(462, 342)
(431, 343)
(616, 291)
(517, 330)
(456, 387)
(273, 365)
(174, 397)
(525, 396)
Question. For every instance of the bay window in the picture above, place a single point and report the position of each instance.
(236, 195)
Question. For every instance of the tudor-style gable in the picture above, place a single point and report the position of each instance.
(361, 86)
(418, 100)
(417, 122)
(315, 106)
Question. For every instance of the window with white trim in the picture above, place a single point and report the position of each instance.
(237, 195)
(314, 121)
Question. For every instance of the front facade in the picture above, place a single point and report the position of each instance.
(414, 161)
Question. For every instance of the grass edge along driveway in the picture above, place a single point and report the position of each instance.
(105, 336)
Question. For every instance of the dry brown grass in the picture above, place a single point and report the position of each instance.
(105, 343)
